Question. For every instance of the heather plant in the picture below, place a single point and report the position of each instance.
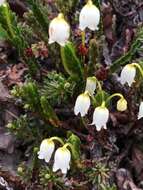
(73, 90)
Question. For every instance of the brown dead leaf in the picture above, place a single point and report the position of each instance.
(15, 74)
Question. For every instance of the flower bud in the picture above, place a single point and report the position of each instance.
(121, 104)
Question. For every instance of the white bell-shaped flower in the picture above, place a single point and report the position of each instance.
(121, 104)
(82, 104)
(89, 17)
(59, 30)
(100, 117)
(46, 150)
(128, 74)
(90, 85)
(140, 114)
(62, 160)
(2, 2)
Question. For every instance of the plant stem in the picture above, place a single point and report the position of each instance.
(57, 139)
(69, 145)
(83, 37)
(100, 89)
(103, 104)
(114, 95)
(138, 67)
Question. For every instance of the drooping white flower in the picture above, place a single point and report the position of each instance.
(2, 2)
(90, 85)
(100, 117)
(89, 17)
(140, 114)
(46, 149)
(82, 104)
(59, 30)
(121, 104)
(62, 160)
(128, 74)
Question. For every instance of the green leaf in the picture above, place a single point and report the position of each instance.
(37, 11)
(75, 141)
(3, 33)
(70, 61)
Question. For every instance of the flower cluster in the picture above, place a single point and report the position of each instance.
(101, 113)
(59, 29)
(62, 155)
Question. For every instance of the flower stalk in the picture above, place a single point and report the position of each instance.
(83, 38)
(114, 95)
(57, 139)
(138, 67)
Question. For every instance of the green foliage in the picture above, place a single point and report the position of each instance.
(12, 30)
(50, 179)
(71, 62)
(30, 95)
(33, 101)
(75, 141)
(57, 88)
(28, 129)
(20, 128)
(99, 97)
(9, 25)
(38, 11)
(98, 175)
(128, 57)
(29, 171)
(105, 187)
(48, 112)
(97, 2)
(3, 33)
(24, 172)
